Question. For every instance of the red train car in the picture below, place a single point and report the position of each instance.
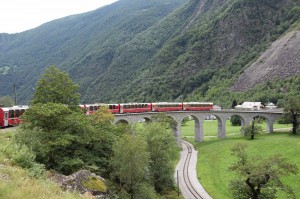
(10, 116)
(148, 107)
(90, 109)
(167, 106)
(197, 106)
(135, 107)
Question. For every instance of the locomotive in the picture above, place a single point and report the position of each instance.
(10, 116)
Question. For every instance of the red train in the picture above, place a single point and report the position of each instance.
(10, 116)
(150, 107)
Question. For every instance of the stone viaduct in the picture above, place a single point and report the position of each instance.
(199, 117)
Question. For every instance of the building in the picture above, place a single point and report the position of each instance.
(250, 106)
(270, 105)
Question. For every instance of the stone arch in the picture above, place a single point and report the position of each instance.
(269, 121)
(198, 127)
(122, 121)
(243, 121)
(221, 119)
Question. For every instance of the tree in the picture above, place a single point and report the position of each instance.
(6, 101)
(252, 129)
(56, 87)
(164, 119)
(292, 113)
(184, 121)
(66, 140)
(102, 116)
(130, 162)
(259, 178)
(234, 104)
(235, 120)
(162, 146)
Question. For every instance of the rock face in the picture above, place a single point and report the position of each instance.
(281, 60)
(82, 181)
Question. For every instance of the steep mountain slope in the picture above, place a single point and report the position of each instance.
(84, 45)
(224, 38)
(139, 50)
(281, 60)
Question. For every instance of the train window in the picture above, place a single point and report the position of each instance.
(11, 113)
(22, 111)
(5, 115)
(18, 113)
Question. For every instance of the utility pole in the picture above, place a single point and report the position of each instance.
(15, 94)
(177, 183)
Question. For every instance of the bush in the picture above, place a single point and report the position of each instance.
(22, 156)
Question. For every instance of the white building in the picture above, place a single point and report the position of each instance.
(270, 105)
(250, 106)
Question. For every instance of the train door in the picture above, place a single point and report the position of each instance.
(184, 106)
(5, 118)
(121, 108)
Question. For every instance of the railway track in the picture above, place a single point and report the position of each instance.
(193, 191)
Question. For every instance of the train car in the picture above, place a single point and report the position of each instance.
(135, 107)
(90, 109)
(113, 108)
(197, 106)
(167, 106)
(10, 116)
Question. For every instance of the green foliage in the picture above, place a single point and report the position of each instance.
(95, 184)
(292, 113)
(145, 191)
(6, 101)
(22, 156)
(56, 87)
(235, 120)
(252, 129)
(162, 147)
(166, 121)
(66, 140)
(130, 162)
(261, 177)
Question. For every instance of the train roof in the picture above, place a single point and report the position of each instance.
(167, 103)
(131, 103)
(14, 108)
(197, 102)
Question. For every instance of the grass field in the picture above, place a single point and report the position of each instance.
(214, 156)
(210, 128)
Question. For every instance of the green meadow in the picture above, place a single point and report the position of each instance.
(214, 155)
(210, 128)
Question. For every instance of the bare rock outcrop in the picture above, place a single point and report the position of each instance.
(281, 60)
(83, 181)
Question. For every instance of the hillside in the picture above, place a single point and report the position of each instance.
(156, 50)
(281, 60)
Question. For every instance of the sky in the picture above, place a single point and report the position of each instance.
(20, 15)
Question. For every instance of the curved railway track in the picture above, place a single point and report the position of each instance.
(193, 191)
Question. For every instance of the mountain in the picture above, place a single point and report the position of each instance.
(151, 50)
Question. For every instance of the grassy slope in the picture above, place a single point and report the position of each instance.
(15, 183)
(215, 157)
